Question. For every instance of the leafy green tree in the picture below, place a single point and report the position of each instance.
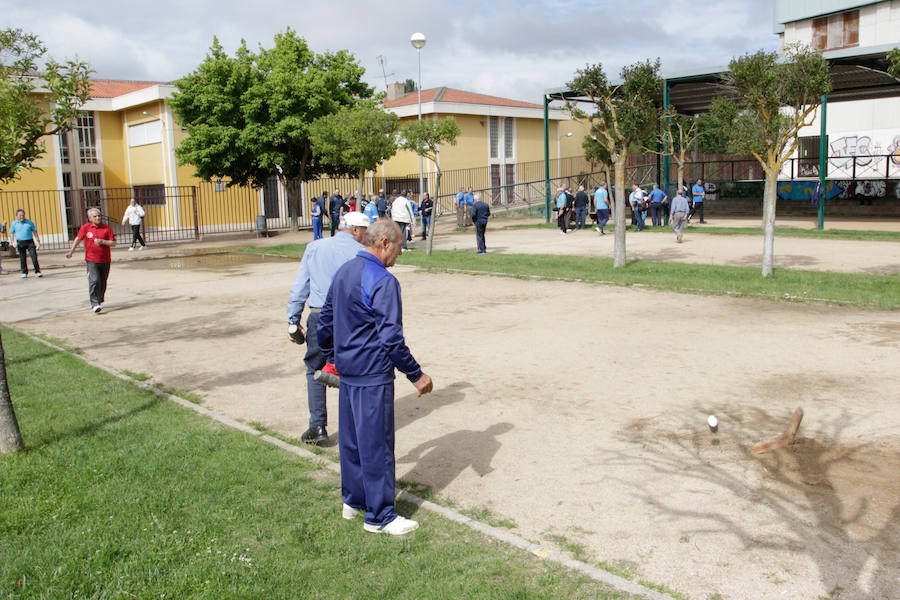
(597, 153)
(28, 89)
(893, 57)
(29, 86)
(356, 138)
(409, 86)
(676, 138)
(248, 116)
(769, 98)
(624, 114)
(425, 138)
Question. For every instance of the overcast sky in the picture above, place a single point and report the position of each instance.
(514, 49)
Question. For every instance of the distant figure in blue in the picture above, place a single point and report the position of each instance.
(481, 212)
(319, 212)
(699, 193)
(360, 330)
(601, 202)
(461, 208)
(371, 209)
(335, 207)
(24, 233)
(657, 199)
(470, 202)
(426, 209)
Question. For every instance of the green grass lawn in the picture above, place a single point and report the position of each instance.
(123, 494)
(881, 292)
(793, 232)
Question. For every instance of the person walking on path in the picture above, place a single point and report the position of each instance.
(361, 332)
(581, 207)
(657, 199)
(601, 202)
(699, 193)
(134, 214)
(98, 238)
(319, 212)
(481, 212)
(335, 209)
(636, 199)
(24, 232)
(561, 210)
(679, 210)
(320, 262)
(426, 209)
(402, 214)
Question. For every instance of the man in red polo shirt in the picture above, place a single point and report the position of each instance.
(98, 239)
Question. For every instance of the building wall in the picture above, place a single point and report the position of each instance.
(879, 23)
(112, 141)
(43, 176)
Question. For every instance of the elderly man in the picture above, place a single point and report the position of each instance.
(680, 210)
(481, 212)
(361, 327)
(321, 260)
(402, 214)
(371, 209)
(601, 203)
(98, 238)
(134, 214)
(24, 233)
(581, 207)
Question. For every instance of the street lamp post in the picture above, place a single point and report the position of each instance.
(418, 42)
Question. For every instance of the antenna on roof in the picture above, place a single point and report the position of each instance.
(381, 60)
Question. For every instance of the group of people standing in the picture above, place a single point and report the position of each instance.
(399, 207)
(655, 202)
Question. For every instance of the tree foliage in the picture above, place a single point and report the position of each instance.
(29, 85)
(769, 99)
(356, 138)
(624, 114)
(249, 116)
(893, 57)
(409, 86)
(425, 138)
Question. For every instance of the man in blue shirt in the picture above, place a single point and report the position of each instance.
(461, 208)
(699, 193)
(319, 212)
(24, 232)
(657, 199)
(371, 209)
(361, 328)
(680, 210)
(601, 203)
(636, 199)
(335, 203)
(320, 262)
(480, 214)
(470, 202)
(561, 210)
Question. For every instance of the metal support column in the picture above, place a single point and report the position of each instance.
(546, 159)
(823, 161)
(666, 157)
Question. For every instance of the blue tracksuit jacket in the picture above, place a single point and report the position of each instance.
(361, 325)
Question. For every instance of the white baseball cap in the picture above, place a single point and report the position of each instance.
(356, 219)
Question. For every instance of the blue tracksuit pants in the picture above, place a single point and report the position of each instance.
(366, 440)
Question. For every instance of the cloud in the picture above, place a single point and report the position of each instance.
(506, 48)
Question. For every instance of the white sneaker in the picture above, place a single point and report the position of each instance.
(349, 513)
(23, 275)
(38, 274)
(131, 249)
(97, 309)
(142, 247)
(399, 526)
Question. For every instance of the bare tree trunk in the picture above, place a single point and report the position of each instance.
(769, 198)
(619, 247)
(10, 437)
(359, 189)
(434, 210)
(293, 187)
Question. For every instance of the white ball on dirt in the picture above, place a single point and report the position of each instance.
(712, 421)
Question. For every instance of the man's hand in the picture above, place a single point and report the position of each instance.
(69, 254)
(423, 384)
(99, 242)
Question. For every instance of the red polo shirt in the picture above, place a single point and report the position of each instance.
(93, 252)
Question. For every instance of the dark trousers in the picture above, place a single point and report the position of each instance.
(602, 218)
(97, 274)
(580, 214)
(656, 214)
(366, 440)
(28, 246)
(334, 225)
(136, 235)
(426, 223)
(479, 237)
(404, 234)
(698, 207)
(561, 220)
(315, 360)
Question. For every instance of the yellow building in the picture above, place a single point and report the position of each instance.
(123, 145)
(501, 143)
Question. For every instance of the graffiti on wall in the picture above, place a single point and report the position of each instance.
(841, 190)
(894, 150)
(851, 146)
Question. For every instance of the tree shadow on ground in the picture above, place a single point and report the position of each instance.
(440, 461)
(836, 503)
(55, 437)
(189, 328)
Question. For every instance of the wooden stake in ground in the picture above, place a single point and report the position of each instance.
(785, 439)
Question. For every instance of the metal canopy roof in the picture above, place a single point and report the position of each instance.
(856, 74)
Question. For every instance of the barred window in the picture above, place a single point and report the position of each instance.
(150, 194)
(87, 138)
(64, 148)
(91, 180)
(508, 124)
(494, 135)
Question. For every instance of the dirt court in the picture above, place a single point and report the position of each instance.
(577, 411)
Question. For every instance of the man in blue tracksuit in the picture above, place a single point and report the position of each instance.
(481, 212)
(361, 332)
(321, 260)
(319, 212)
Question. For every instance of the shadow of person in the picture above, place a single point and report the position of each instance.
(410, 408)
(440, 461)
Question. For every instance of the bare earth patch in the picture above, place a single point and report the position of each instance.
(576, 411)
